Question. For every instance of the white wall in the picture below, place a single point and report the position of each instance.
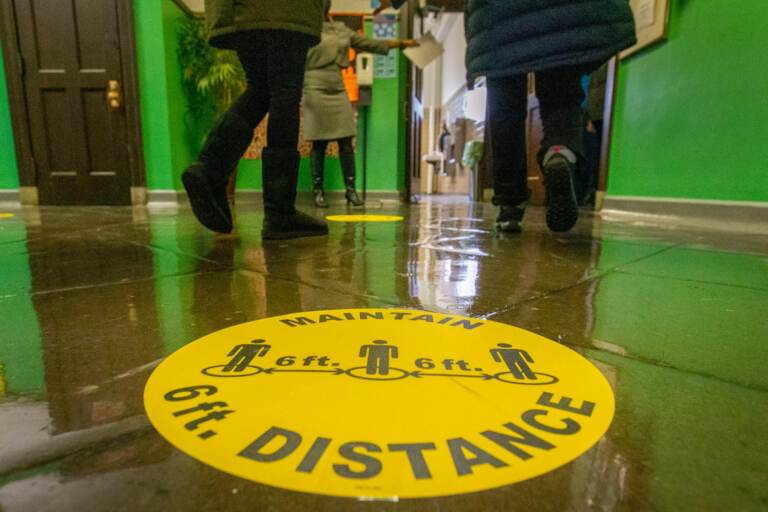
(447, 75)
(475, 104)
(454, 68)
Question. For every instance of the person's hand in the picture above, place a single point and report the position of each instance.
(402, 43)
(385, 4)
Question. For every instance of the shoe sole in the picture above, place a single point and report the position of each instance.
(562, 209)
(508, 227)
(204, 204)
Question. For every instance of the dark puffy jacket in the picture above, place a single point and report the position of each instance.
(227, 17)
(512, 37)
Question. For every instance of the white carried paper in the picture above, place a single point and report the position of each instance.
(427, 51)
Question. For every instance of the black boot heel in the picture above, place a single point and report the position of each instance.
(353, 199)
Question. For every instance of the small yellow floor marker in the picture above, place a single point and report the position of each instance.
(364, 218)
(7, 215)
(379, 403)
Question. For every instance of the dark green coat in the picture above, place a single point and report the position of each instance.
(227, 17)
(513, 37)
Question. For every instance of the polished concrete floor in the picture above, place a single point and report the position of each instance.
(92, 299)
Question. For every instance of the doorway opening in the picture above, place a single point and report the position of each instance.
(449, 150)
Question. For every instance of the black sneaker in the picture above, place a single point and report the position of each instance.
(562, 208)
(208, 200)
(509, 219)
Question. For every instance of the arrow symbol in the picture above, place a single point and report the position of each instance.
(336, 371)
(418, 374)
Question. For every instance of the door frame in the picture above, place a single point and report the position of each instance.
(609, 109)
(14, 69)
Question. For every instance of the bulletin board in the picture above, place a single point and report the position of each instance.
(651, 20)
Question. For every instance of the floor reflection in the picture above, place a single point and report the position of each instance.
(96, 298)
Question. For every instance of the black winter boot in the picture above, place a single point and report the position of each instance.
(347, 159)
(558, 167)
(317, 160)
(206, 179)
(281, 219)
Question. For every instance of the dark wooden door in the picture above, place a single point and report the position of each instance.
(414, 134)
(414, 106)
(72, 59)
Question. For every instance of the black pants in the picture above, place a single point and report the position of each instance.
(560, 96)
(273, 61)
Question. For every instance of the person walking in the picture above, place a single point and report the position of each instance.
(559, 42)
(271, 40)
(328, 114)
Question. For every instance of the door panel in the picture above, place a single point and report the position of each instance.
(414, 107)
(71, 51)
(416, 122)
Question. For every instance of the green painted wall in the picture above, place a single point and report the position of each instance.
(155, 116)
(9, 175)
(171, 137)
(690, 111)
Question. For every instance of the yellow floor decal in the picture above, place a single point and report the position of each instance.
(364, 218)
(7, 215)
(379, 403)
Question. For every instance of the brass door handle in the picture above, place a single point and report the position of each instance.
(114, 95)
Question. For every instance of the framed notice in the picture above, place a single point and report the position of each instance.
(651, 19)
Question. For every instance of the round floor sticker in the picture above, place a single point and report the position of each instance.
(364, 218)
(6, 215)
(379, 403)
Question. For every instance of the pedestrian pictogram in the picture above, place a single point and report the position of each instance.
(242, 355)
(379, 403)
(378, 355)
(516, 360)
